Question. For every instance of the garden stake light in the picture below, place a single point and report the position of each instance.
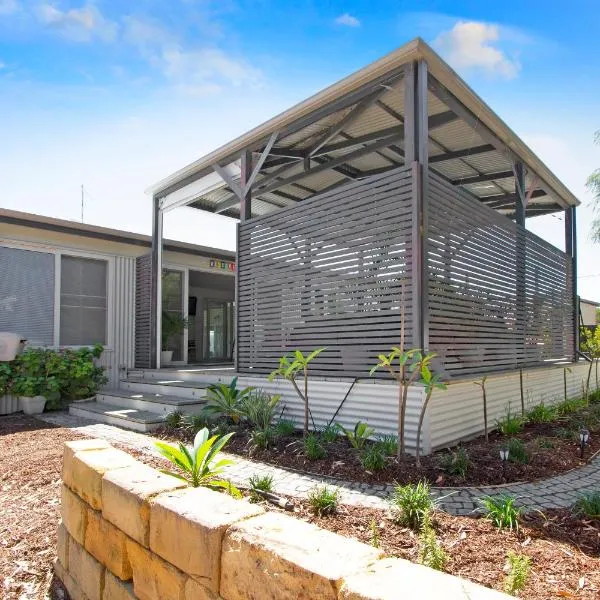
(504, 458)
(584, 436)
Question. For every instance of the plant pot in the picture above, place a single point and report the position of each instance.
(32, 405)
(166, 357)
(9, 404)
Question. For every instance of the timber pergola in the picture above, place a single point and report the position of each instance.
(409, 108)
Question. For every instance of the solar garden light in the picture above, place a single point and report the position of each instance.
(584, 437)
(504, 458)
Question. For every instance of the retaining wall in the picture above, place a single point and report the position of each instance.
(129, 531)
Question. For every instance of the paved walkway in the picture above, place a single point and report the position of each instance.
(560, 491)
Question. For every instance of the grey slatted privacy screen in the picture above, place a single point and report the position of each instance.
(327, 273)
(143, 312)
(499, 296)
(27, 294)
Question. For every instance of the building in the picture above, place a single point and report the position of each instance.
(589, 313)
(64, 283)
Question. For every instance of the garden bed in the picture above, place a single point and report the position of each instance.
(549, 449)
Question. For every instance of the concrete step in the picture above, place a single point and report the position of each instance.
(161, 404)
(204, 375)
(142, 421)
(190, 390)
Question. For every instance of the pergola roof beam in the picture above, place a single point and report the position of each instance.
(260, 161)
(228, 179)
(483, 177)
(508, 200)
(465, 153)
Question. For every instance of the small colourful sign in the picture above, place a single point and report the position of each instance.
(222, 264)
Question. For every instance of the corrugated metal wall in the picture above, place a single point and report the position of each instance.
(457, 413)
(143, 311)
(327, 272)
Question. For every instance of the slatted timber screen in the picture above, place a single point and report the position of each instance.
(143, 312)
(327, 273)
(499, 296)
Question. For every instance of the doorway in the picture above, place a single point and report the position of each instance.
(218, 330)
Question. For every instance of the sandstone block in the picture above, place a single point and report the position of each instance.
(196, 591)
(394, 578)
(153, 578)
(62, 545)
(69, 451)
(74, 514)
(125, 496)
(87, 469)
(115, 589)
(187, 528)
(70, 584)
(107, 545)
(286, 559)
(86, 571)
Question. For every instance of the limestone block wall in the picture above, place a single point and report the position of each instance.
(129, 531)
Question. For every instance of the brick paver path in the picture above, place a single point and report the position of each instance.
(559, 491)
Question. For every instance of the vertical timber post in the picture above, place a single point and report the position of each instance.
(416, 148)
(571, 252)
(156, 281)
(520, 265)
(245, 214)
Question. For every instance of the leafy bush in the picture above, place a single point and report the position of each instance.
(262, 438)
(285, 428)
(196, 422)
(567, 407)
(323, 500)
(510, 424)
(517, 453)
(501, 511)
(541, 414)
(519, 567)
(329, 434)
(199, 463)
(589, 505)
(411, 503)
(431, 552)
(389, 444)
(263, 483)
(359, 436)
(373, 458)
(259, 408)
(313, 448)
(456, 462)
(174, 419)
(225, 400)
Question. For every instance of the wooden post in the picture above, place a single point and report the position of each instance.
(246, 199)
(571, 252)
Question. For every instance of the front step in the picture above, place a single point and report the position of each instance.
(191, 390)
(161, 404)
(141, 421)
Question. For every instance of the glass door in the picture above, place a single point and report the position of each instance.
(218, 330)
(172, 315)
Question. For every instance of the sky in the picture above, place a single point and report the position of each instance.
(113, 95)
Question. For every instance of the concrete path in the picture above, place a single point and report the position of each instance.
(560, 491)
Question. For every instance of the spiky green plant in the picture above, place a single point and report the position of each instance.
(323, 500)
(588, 504)
(541, 413)
(200, 465)
(517, 453)
(174, 419)
(259, 483)
(373, 458)
(359, 435)
(259, 408)
(456, 462)
(519, 567)
(313, 448)
(389, 443)
(501, 511)
(329, 434)
(262, 438)
(410, 504)
(226, 400)
(285, 428)
(510, 423)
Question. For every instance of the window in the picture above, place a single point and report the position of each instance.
(27, 294)
(83, 301)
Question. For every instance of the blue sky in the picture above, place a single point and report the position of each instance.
(114, 95)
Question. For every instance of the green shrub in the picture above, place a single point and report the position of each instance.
(225, 400)
(313, 448)
(373, 458)
(285, 428)
(196, 422)
(359, 435)
(389, 443)
(541, 414)
(565, 433)
(259, 408)
(174, 419)
(501, 511)
(259, 482)
(323, 500)
(544, 442)
(568, 407)
(517, 453)
(456, 462)
(510, 424)
(411, 503)
(431, 552)
(589, 505)
(262, 438)
(200, 464)
(329, 434)
(519, 567)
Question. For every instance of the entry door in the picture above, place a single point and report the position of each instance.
(218, 330)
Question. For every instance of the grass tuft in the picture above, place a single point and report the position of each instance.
(541, 413)
(389, 443)
(174, 419)
(510, 423)
(517, 453)
(313, 448)
(501, 511)
(373, 458)
(589, 505)
(411, 503)
(285, 428)
(519, 567)
(323, 500)
(456, 462)
(263, 483)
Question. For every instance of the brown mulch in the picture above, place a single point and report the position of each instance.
(552, 449)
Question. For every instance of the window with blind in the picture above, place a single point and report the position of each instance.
(27, 294)
(83, 301)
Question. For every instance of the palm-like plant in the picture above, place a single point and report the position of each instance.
(200, 464)
(359, 436)
(226, 400)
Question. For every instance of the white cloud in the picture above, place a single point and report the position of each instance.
(2, 65)
(473, 45)
(77, 24)
(8, 7)
(348, 20)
